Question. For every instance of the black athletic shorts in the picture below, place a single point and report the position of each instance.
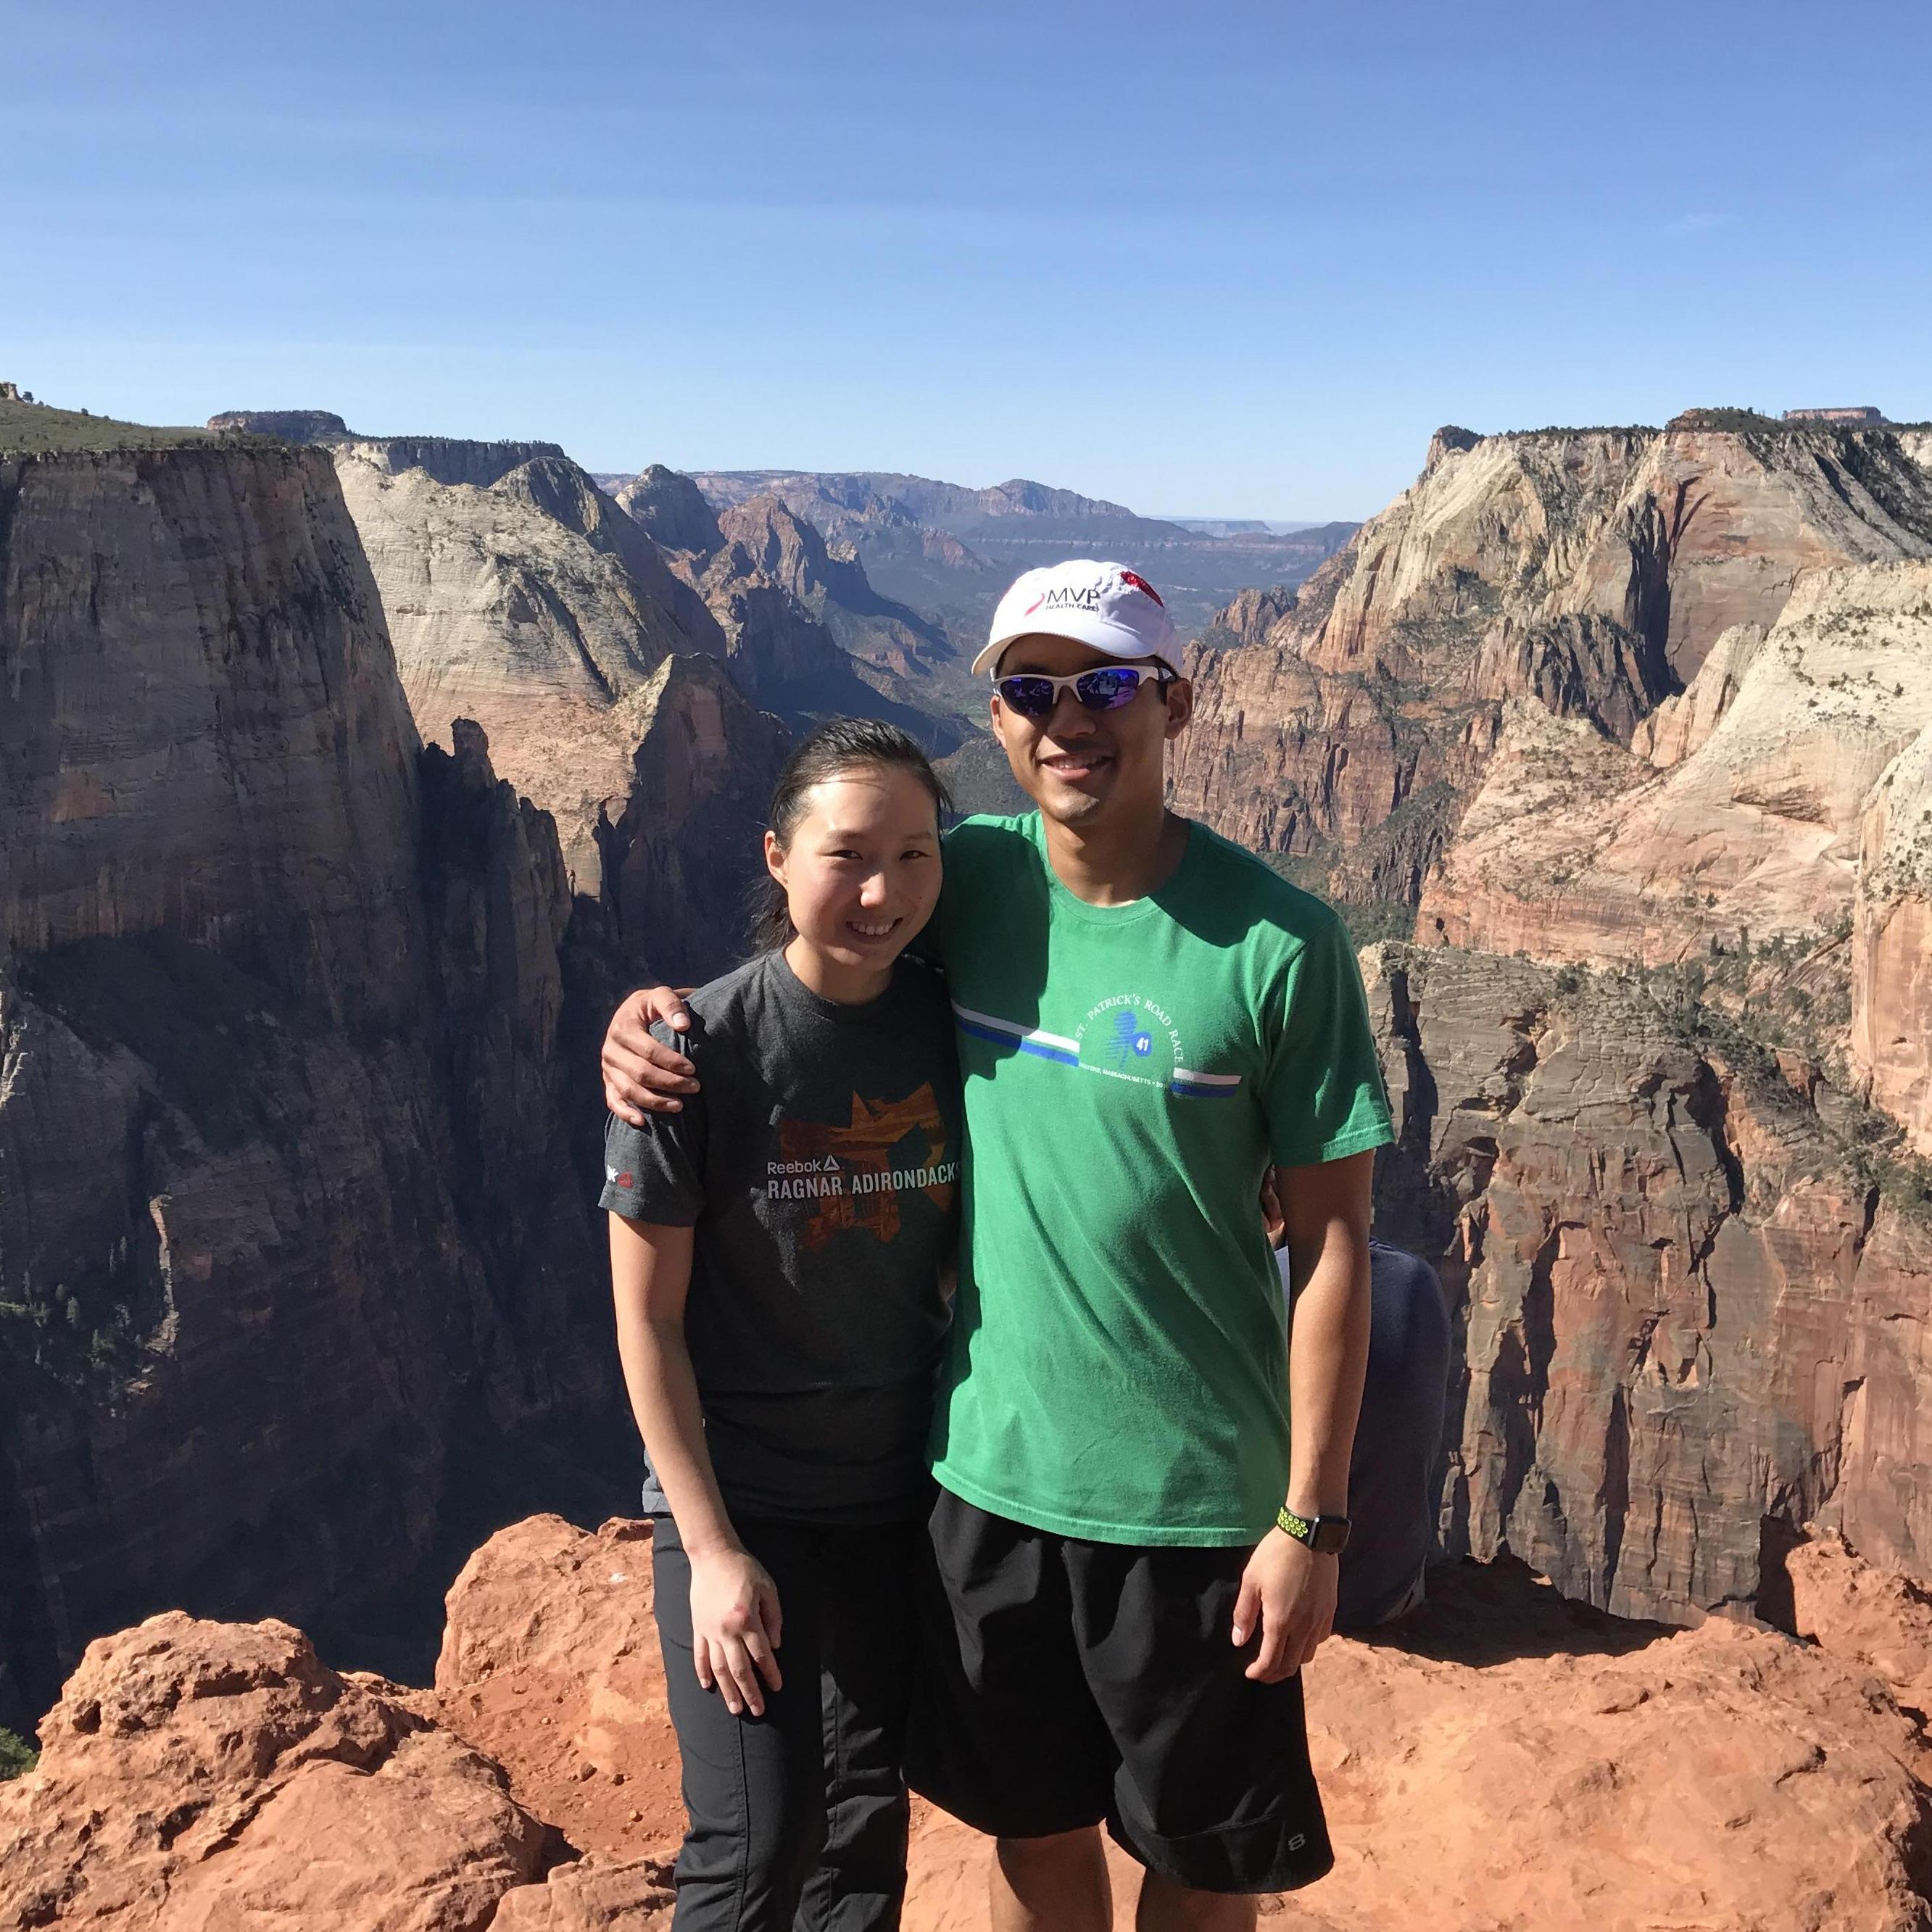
(1068, 1682)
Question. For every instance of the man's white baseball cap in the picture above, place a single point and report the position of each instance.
(1105, 605)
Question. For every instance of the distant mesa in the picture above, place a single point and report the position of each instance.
(291, 425)
(1864, 417)
(1861, 417)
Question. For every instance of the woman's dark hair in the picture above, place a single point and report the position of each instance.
(835, 747)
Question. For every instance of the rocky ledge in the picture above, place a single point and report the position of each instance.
(1505, 1760)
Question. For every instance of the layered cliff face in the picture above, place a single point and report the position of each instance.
(1743, 822)
(517, 595)
(1891, 944)
(1591, 570)
(278, 1011)
(1691, 1315)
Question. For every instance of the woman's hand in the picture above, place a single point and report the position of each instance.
(735, 1627)
(642, 1075)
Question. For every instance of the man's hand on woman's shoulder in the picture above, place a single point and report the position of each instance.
(642, 1075)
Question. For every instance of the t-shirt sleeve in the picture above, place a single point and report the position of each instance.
(1323, 1090)
(656, 1172)
(929, 943)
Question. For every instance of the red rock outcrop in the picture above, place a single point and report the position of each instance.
(550, 1665)
(1505, 1760)
(278, 1010)
(196, 1775)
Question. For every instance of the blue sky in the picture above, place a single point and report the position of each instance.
(1236, 259)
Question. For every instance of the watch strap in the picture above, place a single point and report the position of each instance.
(1324, 1533)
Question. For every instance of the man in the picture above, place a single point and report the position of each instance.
(1143, 1485)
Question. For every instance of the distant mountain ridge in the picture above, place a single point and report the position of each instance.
(950, 549)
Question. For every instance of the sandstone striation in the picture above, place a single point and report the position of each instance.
(1892, 944)
(1744, 821)
(1593, 570)
(278, 1010)
(517, 595)
(1689, 1322)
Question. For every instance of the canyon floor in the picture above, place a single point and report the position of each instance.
(1504, 1758)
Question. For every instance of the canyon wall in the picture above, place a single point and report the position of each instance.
(1590, 570)
(1735, 814)
(1693, 1314)
(286, 1199)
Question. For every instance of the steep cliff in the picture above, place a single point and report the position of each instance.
(680, 847)
(517, 595)
(1892, 944)
(1590, 570)
(1692, 1309)
(277, 1009)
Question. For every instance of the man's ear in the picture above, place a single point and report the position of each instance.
(1180, 706)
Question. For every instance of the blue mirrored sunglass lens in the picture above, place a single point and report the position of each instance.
(1104, 689)
(1032, 697)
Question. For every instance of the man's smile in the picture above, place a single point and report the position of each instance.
(1076, 764)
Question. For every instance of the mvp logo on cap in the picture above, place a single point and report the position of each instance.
(1110, 608)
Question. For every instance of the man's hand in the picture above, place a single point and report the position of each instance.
(642, 1075)
(735, 1627)
(1288, 1594)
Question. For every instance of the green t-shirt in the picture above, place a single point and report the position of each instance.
(1117, 1365)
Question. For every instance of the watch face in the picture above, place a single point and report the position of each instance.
(1331, 1535)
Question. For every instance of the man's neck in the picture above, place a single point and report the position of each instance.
(1125, 860)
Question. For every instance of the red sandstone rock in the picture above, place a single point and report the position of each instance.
(550, 1664)
(1506, 1761)
(197, 1776)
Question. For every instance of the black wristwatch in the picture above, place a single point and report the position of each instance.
(1326, 1535)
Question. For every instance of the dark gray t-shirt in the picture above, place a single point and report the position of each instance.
(819, 1166)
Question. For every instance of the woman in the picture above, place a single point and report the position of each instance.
(781, 1253)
